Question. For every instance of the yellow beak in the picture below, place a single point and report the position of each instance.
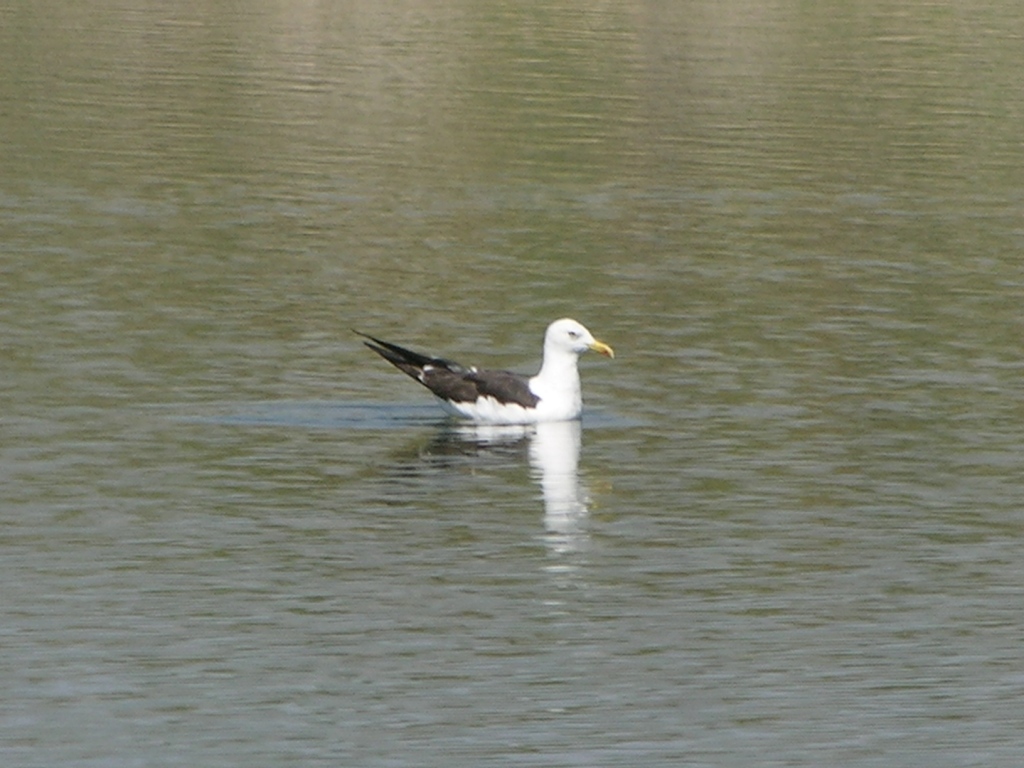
(601, 348)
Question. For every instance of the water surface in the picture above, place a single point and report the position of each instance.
(787, 531)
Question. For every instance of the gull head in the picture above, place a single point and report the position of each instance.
(567, 335)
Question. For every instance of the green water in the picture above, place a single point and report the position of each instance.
(790, 536)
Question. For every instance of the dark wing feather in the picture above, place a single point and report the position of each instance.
(505, 387)
(400, 356)
(451, 381)
(450, 385)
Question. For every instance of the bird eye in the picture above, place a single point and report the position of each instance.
(574, 334)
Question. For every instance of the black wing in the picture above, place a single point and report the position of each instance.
(412, 363)
(451, 381)
(504, 386)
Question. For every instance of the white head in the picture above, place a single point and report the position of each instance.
(567, 335)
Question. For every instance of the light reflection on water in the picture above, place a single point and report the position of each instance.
(554, 454)
(553, 448)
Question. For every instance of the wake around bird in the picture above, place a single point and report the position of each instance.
(503, 397)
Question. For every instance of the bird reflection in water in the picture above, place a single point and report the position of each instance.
(554, 455)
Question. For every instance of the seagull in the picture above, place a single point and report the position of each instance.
(503, 397)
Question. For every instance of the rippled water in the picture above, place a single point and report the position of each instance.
(787, 531)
